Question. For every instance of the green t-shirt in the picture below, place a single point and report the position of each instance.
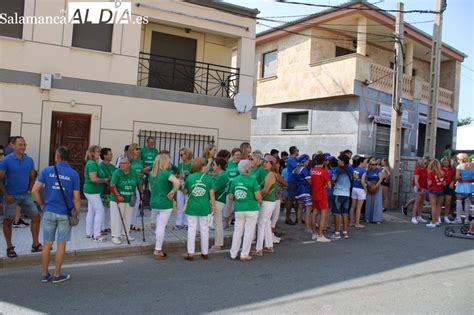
(243, 188)
(160, 187)
(221, 182)
(148, 155)
(107, 169)
(232, 169)
(211, 168)
(259, 174)
(174, 169)
(272, 193)
(126, 184)
(89, 187)
(137, 166)
(185, 169)
(198, 186)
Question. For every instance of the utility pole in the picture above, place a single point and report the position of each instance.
(432, 119)
(396, 117)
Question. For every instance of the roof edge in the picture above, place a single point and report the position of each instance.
(227, 7)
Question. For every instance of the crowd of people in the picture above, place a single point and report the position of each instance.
(243, 187)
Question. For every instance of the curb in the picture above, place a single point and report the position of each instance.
(100, 253)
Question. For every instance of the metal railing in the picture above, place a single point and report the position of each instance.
(187, 76)
(173, 142)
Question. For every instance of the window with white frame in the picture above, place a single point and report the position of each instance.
(269, 64)
(295, 121)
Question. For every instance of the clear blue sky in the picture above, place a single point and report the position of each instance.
(458, 30)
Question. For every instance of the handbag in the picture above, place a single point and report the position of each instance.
(72, 216)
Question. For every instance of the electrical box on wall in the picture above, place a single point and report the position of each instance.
(45, 83)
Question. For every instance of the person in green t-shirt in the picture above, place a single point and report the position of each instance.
(232, 171)
(184, 169)
(221, 186)
(108, 168)
(149, 153)
(245, 193)
(163, 186)
(209, 155)
(94, 184)
(124, 184)
(201, 202)
(447, 152)
(142, 170)
(269, 197)
(257, 170)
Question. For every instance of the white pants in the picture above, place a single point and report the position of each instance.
(95, 214)
(162, 217)
(136, 219)
(106, 221)
(181, 218)
(276, 213)
(203, 225)
(219, 238)
(116, 222)
(229, 208)
(245, 222)
(265, 225)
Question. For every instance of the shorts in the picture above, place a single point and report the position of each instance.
(321, 204)
(422, 190)
(26, 204)
(448, 190)
(284, 193)
(359, 194)
(305, 199)
(341, 205)
(292, 191)
(463, 196)
(52, 223)
(436, 193)
(385, 184)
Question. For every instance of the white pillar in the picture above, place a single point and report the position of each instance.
(408, 58)
(362, 36)
(246, 63)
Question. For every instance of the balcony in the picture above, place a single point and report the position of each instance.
(190, 76)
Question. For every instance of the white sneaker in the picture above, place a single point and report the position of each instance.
(446, 220)
(420, 219)
(457, 220)
(276, 239)
(322, 239)
(314, 237)
(414, 220)
(116, 240)
(431, 225)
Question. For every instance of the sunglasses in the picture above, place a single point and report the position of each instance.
(373, 164)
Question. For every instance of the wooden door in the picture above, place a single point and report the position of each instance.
(71, 130)
(172, 64)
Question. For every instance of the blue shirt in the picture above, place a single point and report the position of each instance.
(53, 199)
(373, 175)
(284, 173)
(342, 185)
(17, 173)
(332, 176)
(291, 163)
(357, 174)
(302, 181)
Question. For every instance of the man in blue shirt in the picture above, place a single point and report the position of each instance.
(342, 192)
(291, 163)
(56, 210)
(17, 175)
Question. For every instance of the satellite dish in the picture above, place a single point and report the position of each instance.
(243, 102)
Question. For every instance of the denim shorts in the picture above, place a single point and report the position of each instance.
(26, 204)
(436, 193)
(53, 222)
(341, 205)
(292, 191)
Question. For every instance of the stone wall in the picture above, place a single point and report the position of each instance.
(407, 171)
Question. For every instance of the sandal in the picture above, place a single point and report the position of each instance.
(189, 257)
(36, 249)
(134, 228)
(11, 252)
(159, 255)
(205, 256)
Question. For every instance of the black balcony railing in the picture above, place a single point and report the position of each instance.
(187, 76)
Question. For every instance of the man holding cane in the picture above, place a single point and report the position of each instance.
(56, 207)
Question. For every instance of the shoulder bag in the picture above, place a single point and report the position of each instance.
(73, 217)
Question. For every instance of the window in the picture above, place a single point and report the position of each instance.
(269, 67)
(9, 8)
(294, 121)
(343, 51)
(93, 36)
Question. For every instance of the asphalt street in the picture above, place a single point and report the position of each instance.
(394, 267)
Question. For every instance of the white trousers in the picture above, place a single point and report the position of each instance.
(116, 222)
(219, 238)
(229, 208)
(162, 217)
(265, 225)
(193, 221)
(466, 208)
(106, 221)
(136, 219)
(245, 222)
(276, 213)
(95, 214)
(181, 218)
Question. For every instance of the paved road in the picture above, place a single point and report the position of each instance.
(390, 268)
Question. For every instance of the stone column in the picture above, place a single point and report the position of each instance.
(362, 36)
(246, 63)
(408, 58)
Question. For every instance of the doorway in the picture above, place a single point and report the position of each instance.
(71, 130)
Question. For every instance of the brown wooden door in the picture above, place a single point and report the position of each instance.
(73, 131)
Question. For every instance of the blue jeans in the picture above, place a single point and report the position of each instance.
(26, 204)
(341, 205)
(52, 223)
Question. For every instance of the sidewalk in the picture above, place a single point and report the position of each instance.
(82, 248)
